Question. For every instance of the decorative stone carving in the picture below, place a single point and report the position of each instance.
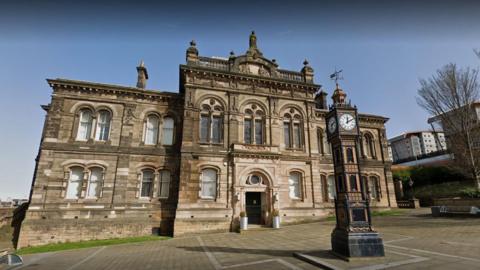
(129, 114)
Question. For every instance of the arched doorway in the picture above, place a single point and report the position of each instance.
(257, 202)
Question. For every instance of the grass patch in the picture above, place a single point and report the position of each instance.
(87, 244)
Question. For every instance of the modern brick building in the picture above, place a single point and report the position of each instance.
(241, 134)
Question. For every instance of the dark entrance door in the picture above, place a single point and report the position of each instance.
(253, 202)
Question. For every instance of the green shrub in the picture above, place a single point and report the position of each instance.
(470, 192)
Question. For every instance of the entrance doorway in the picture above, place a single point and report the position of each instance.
(253, 203)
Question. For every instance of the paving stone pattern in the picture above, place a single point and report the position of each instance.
(416, 239)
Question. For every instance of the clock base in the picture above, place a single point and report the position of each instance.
(357, 244)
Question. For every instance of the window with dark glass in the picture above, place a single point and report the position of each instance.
(216, 129)
(353, 183)
(103, 125)
(147, 183)
(258, 131)
(247, 131)
(168, 127)
(204, 128)
(297, 132)
(164, 184)
(350, 155)
(286, 134)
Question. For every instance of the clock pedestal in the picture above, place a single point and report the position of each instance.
(353, 235)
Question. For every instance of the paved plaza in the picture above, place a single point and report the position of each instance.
(412, 241)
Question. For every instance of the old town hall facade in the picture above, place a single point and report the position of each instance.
(240, 135)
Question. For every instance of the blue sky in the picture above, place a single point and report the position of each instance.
(384, 47)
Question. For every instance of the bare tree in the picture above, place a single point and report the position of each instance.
(450, 96)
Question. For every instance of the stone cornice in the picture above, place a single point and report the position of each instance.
(100, 88)
(277, 82)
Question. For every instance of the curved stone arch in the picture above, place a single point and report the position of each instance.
(287, 106)
(146, 165)
(218, 98)
(103, 107)
(173, 114)
(149, 111)
(255, 169)
(75, 109)
(83, 163)
(257, 102)
(204, 166)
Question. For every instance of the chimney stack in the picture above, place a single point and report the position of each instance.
(142, 75)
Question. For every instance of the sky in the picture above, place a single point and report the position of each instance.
(383, 48)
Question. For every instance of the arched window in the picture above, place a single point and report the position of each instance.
(208, 184)
(164, 184)
(94, 182)
(293, 129)
(374, 187)
(74, 183)
(85, 125)
(211, 122)
(253, 132)
(350, 155)
(332, 192)
(353, 183)
(167, 136)
(294, 183)
(321, 146)
(369, 146)
(146, 188)
(151, 130)
(103, 125)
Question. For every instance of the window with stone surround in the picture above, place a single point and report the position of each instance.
(331, 187)
(168, 131)
(84, 131)
(211, 122)
(95, 182)
(151, 129)
(369, 146)
(254, 127)
(75, 180)
(350, 158)
(164, 191)
(293, 129)
(103, 125)
(295, 185)
(374, 190)
(208, 188)
(146, 187)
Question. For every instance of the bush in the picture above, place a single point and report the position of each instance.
(276, 213)
(243, 214)
(445, 190)
(424, 176)
(470, 192)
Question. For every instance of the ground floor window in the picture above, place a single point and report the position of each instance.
(208, 184)
(294, 182)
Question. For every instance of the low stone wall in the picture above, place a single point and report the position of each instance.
(457, 202)
(41, 232)
(201, 225)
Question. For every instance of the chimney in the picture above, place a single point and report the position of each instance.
(142, 75)
(321, 100)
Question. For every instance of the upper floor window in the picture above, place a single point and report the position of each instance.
(164, 184)
(146, 188)
(167, 136)
(293, 129)
(103, 125)
(211, 122)
(95, 180)
(151, 129)
(369, 146)
(321, 146)
(85, 125)
(74, 186)
(294, 183)
(208, 188)
(253, 128)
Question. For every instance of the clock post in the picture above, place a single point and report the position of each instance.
(353, 235)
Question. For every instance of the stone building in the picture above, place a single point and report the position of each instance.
(240, 135)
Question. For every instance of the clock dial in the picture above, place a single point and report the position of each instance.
(347, 121)
(332, 124)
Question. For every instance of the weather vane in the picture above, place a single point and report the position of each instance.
(336, 76)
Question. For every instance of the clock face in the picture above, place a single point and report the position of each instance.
(347, 121)
(332, 124)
